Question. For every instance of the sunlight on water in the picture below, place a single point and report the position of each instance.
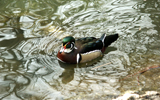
(30, 37)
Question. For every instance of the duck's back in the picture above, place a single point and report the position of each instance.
(88, 44)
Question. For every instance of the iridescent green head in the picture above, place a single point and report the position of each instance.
(68, 44)
(67, 40)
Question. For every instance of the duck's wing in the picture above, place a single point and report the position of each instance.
(81, 41)
(88, 44)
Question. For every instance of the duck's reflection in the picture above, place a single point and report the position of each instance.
(68, 73)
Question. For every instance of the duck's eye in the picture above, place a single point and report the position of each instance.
(68, 46)
(65, 44)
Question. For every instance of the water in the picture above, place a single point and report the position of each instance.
(30, 37)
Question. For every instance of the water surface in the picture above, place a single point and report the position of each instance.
(30, 37)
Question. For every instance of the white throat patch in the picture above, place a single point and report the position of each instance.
(65, 50)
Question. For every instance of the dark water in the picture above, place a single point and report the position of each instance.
(30, 34)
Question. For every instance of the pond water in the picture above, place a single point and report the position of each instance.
(30, 37)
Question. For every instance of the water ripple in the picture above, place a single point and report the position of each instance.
(30, 37)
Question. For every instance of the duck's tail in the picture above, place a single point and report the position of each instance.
(107, 40)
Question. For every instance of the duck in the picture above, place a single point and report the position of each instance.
(85, 49)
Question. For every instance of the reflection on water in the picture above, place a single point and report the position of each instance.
(30, 33)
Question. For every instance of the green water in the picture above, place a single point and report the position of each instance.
(30, 37)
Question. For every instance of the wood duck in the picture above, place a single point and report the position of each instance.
(84, 49)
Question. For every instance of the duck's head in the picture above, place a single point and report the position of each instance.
(68, 44)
